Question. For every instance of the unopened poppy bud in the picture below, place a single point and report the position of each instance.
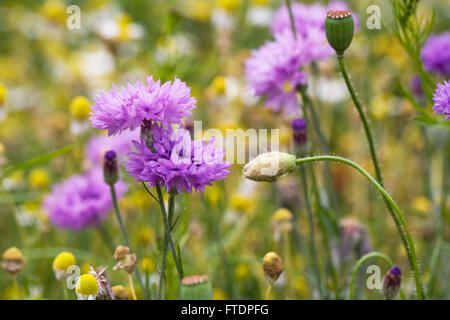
(110, 168)
(13, 261)
(272, 266)
(339, 28)
(270, 166)
(120, 293)
(391, 283)
(196, 288)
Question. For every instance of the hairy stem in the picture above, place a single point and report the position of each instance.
(397, 215)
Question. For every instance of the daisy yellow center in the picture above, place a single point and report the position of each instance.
(87, 285)
(39, 178)
(287, 86)
(79, 108)
(63, 261)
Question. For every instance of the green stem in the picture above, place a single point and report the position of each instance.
(168, 233)
(420, 294)
(360, 263)
(124, 233)
(312, 237)
(397, 215)
(291, 18)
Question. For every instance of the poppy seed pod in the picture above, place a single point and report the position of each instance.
(339, 28)
(196, 288)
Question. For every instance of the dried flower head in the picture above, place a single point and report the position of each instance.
(272, 266)
(125, 260)
(120, 292)
(13, 261)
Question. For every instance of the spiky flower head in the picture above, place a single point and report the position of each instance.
(270, 166)
(441, 99)
(339, 28)
(86, 287)
(61, 263)
(391, 283)
(196, 287)
(13, 261)
(272, 266)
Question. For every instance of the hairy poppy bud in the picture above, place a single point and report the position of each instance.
(110, 169)
(339, 28)
(270, 166)
(196, 288)
(391, 283)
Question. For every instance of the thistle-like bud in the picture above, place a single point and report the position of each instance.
(110, 168)
(196, 288)
(61, 263)
(125, 260)
(272, 266)
(339, 28)
(391, 283)
(13, 261)
(270, 166)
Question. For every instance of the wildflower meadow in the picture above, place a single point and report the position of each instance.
(224, 150)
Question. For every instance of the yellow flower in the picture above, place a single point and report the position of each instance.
(421, 204)
(3, 92)
(240, 203)
(80, 107)
(219, 84)
(63, 260)
(146, 235)
(54, 10)
(301, 286)
(229, 5)
(199, 9)
(38, 178)
(87, 287)
(219, 295)
(260, 2)
(124, 22)
(213, 194)
(120, 292)
(2, 148)
(148, 265)
(242, 271)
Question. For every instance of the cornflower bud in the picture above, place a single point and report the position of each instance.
(272, 266)
(270, 166)
(339, 28)
(110, 168)
(196, 288)
(391, 283)
(299, 135)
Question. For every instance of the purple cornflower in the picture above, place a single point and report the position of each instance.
(175, 161)
(306, 17)
(121, 144)
(441, 99)
(127, 108)
(391, 283)
(274, 69)
(435, 54)
(81, 201)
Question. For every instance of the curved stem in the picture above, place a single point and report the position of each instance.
(360, 263)
(269, 290)
(369, 136)
(397, 215)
